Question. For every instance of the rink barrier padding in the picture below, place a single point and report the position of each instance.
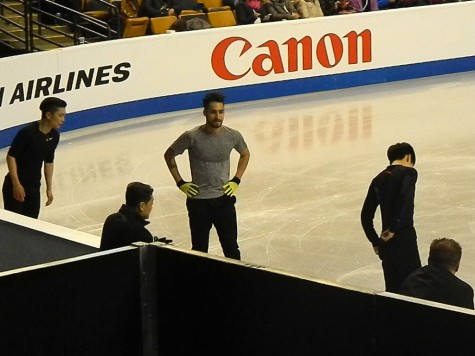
(207, 304)
(420, 328)
(23, 247)
(250, 310)
(161, 300)
(78, 307)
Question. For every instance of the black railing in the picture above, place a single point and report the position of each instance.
(33, 23)
(10, 24)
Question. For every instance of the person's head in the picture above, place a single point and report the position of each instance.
(53, 111)
(445, 253)
(253, 4)
(213, 109)
(179, 25)
(403, 152)
(139, 196)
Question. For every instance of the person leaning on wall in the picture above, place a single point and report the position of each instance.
(437, 280)
(128, 224)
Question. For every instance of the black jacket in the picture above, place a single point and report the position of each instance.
(123, 228)
(244, 14)
(393, 190)
(154, 8)
(277, 10)
(438, 284)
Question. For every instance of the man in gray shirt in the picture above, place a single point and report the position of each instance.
(210, 194)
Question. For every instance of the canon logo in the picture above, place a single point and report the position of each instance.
(329, 51)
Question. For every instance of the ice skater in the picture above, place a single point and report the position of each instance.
(210, 194)
(33, 144)
(393, 190)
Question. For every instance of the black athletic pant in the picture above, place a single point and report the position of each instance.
(30, 207)
(220, 212)
(400, 257)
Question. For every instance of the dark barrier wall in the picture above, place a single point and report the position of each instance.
(405, 328)
(23, 247)
(210, 307)
(89, 307)
(205, 305)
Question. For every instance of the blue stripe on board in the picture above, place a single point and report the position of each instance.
(178, 102)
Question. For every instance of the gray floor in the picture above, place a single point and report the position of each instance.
(313, 157)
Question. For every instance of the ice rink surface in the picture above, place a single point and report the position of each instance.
(312, 159)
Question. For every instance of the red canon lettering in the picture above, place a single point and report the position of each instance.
(273, 56)
(322, 51)
(218, 58)
(329, 52)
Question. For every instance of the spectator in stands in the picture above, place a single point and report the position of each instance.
(410, 3)
(437, 280)
(332, 7)
(393, 190)
(247, 12)
(192, 24)
(179, 26)
(362, 6)
(156, 8)
(308, 8)
(128, 224)
(278, 10)
(230, 3)
(180, 5)
(210, 195)
(33, 144)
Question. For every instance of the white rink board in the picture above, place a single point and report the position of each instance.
(130, 70)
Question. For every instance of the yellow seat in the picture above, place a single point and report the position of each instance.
(190, 12)
(89, 7)
(190, 16)
(221, 8)
(212, 3)
(135, 27)
(161, 24)
(222, 18)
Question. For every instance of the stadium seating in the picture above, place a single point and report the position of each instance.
(160, 25)
(212, 3)
(135, 27)
(92, 9)
(222, 18)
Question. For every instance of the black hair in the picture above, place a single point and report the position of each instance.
(400, 150)
(136, 193)
(445, 252)
(52, 104)
(214, 97)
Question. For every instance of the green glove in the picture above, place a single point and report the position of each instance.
(231, 187)
(189, 188)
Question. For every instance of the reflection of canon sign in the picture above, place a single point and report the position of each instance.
(329, 51)
(306, 131)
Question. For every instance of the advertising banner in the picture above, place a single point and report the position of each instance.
(143, 75)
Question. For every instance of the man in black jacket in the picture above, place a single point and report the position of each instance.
(157, 8)
(437, 280)
(393, 190)
(128, 224)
